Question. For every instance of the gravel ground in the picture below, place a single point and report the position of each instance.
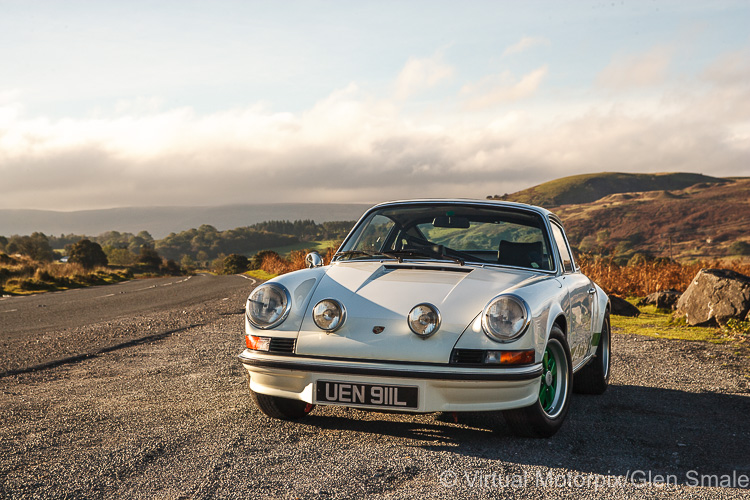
(170, 417)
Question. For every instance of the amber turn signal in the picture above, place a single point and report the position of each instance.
(510, 357)
(257, 343)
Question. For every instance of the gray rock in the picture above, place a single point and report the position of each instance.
(621, 307)
(715, 296)
(665, 299)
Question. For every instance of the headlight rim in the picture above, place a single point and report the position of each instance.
(504, 340)
(437, 326)
(284, 313)
(341, 321)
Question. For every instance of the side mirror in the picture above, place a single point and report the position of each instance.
(313, 259)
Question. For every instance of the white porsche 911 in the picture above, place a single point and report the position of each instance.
(434, 306)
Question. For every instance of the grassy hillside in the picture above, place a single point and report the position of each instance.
(587, 188)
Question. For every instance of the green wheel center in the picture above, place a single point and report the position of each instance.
(548, 386)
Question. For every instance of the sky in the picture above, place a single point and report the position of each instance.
(161, 103)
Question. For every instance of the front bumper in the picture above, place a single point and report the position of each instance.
(441, 387)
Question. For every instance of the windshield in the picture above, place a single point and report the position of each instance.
(454, 232)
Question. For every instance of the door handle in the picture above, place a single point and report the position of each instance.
(592, 291)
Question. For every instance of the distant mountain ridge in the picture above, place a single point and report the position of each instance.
(160, 221)
(587, 188)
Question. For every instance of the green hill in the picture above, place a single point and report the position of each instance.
(588, 188)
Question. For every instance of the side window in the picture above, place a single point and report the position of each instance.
(374, 235)
(567, 260)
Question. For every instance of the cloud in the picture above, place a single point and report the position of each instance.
(524, 44)
(498, 89)
(732, 68)
(353, 146)
(636, 70)
(421, 74)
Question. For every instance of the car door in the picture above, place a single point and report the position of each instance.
(580, 298)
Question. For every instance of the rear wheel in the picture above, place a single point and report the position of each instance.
(546, 415)
(281, 408)
(594, 377)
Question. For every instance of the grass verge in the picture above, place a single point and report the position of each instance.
(260, 274)
(660, 323)
(47, 283)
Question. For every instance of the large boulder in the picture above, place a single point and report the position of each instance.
(621, 307)
(665, 299)
(715, 296)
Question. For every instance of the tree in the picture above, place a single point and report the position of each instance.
(149, 257)
(88, 254)
(35, 246)
(235, 264)
(120, 256)
(187, 263)
(145, 236)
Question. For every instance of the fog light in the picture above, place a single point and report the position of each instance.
(258, 343)
(510, 357)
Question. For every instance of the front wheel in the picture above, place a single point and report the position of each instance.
(546, 415)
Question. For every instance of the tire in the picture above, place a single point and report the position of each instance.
(544, 418)
(594, 377)
(280, 408)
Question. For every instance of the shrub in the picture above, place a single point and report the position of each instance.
(739, 248)
(256, 262)
(235, 264)
(646, 277)
(273, 263)
(149, 257)
(88, 254)
(171, 267)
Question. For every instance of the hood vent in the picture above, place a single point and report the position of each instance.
(396, 267)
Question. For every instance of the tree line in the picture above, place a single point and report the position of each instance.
(194, 246)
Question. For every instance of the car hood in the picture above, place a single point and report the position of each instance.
(377, 294)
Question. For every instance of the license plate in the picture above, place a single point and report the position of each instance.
(356, 394)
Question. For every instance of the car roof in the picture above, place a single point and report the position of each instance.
(468, 201)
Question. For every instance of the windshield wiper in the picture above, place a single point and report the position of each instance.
(437, 251)
(366, 253)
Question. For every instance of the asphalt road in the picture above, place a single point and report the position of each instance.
(148, 400)
(44, 328)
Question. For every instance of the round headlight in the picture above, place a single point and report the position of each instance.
(268, 305)
(505, 318)
(329, 315)
(424, 319)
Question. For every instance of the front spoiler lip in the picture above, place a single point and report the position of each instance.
(439, 372)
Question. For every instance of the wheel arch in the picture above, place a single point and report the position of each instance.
(603, 307)
(556, 316)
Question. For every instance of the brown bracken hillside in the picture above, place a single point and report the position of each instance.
(702, 221)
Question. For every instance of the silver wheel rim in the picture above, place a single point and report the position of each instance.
(605, 348)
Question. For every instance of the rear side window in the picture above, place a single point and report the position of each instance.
(562, 246)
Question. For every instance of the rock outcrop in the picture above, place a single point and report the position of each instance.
(715, 296)
(621, 307)
(665, 299)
